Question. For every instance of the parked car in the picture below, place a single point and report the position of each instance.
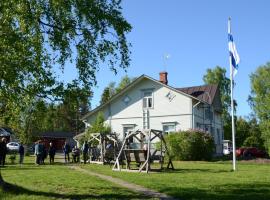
(13, 146)
(227, 147)
(248, 152)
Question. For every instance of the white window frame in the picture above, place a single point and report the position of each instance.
(147, 98)
(169, 124)
(132, 126)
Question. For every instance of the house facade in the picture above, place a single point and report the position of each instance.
(149, 103)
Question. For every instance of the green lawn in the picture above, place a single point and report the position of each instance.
(203, 180)
(57, 182)
(190, 180)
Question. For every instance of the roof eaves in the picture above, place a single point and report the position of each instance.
(130, 86)
(114, 96)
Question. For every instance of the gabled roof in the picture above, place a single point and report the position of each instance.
(204, 93)
(132, 84)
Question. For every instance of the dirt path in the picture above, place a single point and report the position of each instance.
(130, 186)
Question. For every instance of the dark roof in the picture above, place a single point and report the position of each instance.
(57, 134)
(204, 93)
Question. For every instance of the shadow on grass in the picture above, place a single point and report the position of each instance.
(188, 170)
(18, 190)
(222, 192)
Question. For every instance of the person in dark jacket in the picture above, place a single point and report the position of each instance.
(85, 149)
(21, 153)
(43, 153)
(3, 151)
(67, 150)
(51, 151)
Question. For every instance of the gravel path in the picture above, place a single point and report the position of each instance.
(130, 186)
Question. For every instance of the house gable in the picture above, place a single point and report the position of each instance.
(134, 85)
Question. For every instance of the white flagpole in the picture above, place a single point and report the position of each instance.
(232, 104)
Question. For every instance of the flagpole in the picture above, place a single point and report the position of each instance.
(233, 126)
(232, 104)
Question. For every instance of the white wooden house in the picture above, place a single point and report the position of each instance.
(149, 103)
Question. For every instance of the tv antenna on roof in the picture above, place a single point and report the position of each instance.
(166, 57)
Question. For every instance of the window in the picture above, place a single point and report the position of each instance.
(127, 128)
(208, 113)
(147, 99)
(168, 127)
(218, 137)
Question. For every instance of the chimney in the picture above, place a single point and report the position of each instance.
(163, 77)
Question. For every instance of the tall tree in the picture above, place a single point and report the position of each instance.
(260, 100)
(36, 35)
(112, 89)
(38, 38)
(217, 75)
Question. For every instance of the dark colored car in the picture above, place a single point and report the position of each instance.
(248, 152)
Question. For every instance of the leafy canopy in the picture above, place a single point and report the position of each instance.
(260, 100)
(112, 89)
(217, 75)
(39, 34)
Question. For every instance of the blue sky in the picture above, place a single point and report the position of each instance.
(194, 33)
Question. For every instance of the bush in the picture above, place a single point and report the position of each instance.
(190, 145)
(252, 141)
(12, 158)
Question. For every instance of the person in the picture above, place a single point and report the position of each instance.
(85, 149)
(38, 152)
(21, 153)
(51, 151)
(3, 151)
(75, 154)
(43, 153)
(66, 150)
(145, 150)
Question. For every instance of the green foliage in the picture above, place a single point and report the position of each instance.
(38, 34)
(218, 76)
(248, 133)
(242, 131)
(190, 145)
(98, 126)
(39, 38)
(260, 100)
(251, 141)
(12, 158)
(112, 89)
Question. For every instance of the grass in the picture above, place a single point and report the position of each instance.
(190, 180)
(203, 180)
(56, 182)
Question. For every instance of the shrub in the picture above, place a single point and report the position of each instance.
(12, 158)
(252, 141)
(190, 145)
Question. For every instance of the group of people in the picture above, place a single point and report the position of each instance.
(4, 151)
(41, 153)
(76, 152)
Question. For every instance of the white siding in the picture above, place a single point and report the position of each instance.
(177, 109)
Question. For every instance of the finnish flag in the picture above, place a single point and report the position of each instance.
(234, 57)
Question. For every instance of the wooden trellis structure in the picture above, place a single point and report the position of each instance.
(143, 155)
(106, 149)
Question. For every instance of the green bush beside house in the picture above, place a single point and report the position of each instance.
(190, 145)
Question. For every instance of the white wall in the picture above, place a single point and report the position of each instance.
(177, 110)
